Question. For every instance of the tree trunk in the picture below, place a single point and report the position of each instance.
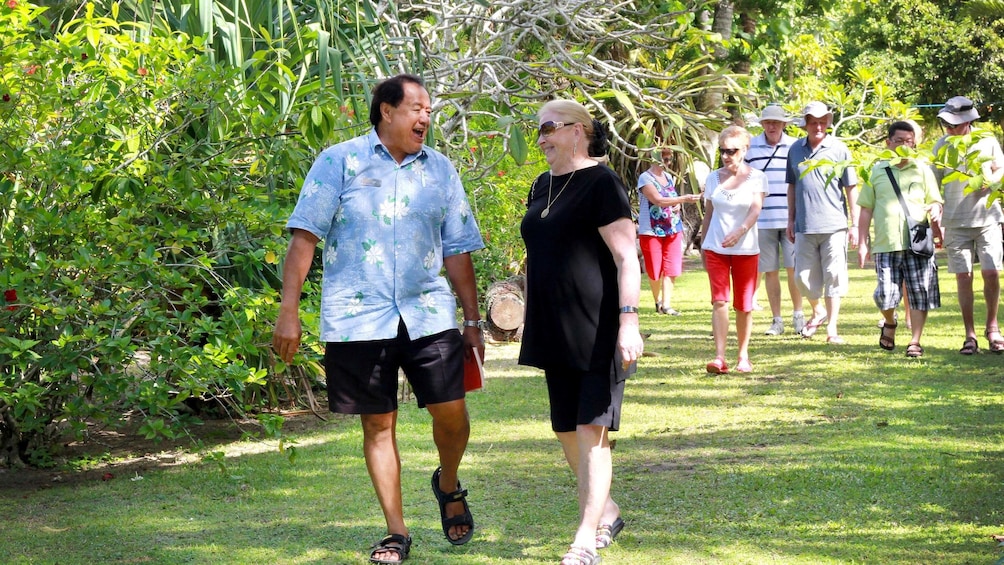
(748, 24)
(722, 24)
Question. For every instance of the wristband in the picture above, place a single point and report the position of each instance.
(629, 309)
(480, 324)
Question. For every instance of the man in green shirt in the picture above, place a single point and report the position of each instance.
(895, 264)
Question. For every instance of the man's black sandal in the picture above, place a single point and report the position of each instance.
(465, 519)
(401, 545)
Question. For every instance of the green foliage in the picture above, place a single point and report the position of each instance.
(929, 50)
(499, 203)
(143, 253)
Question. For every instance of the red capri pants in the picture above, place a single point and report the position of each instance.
(663, 255)
(743, 269)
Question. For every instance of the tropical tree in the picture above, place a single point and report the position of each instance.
(930, 50)
(641, 68)
(150, 152)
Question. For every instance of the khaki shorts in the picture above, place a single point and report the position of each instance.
(821, 264)
(774, 245)
(962, 244)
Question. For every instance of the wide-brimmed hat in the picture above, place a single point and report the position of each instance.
(816, 110)
(774, 112)
(959, 110)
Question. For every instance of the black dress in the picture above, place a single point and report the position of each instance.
(572, 310)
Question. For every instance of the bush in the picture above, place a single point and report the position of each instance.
(134, 232)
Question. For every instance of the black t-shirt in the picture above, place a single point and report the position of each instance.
(572, 310)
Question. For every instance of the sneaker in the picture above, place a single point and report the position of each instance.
(776, 328)
(798, 322)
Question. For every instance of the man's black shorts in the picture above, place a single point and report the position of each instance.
(362, 376)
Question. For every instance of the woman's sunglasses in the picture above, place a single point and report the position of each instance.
(729, 152)
(548, 128)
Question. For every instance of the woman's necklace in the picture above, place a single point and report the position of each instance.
(550, 183)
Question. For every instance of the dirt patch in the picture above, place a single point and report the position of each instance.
(108, 454)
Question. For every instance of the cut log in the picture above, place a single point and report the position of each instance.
(505, 309)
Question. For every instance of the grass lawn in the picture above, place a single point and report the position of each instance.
(823, 455)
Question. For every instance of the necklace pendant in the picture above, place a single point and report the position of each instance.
(545, 212)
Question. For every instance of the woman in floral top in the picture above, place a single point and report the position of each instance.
(660, 228)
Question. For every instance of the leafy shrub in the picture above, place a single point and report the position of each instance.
(133, 230)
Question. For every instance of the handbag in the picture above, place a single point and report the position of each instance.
(921, 235)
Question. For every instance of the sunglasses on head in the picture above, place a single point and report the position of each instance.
(548, 128)
(729, 152)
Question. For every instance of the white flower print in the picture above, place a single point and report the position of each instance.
(331, 253)
(430, 260)
(351, 164)
(391, 209)
(311, 188)
(427, 301)
(373, 252)
(355, 305)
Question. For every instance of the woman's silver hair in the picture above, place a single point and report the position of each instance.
(736, 132)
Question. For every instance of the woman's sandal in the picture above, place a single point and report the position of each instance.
(607, 533)
(717, 367)
(969, 346)
(886, 341)
(914, 350)
(996, 345)
(465, 519)
(396, 543)
(577, 555)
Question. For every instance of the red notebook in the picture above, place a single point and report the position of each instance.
(474, 372)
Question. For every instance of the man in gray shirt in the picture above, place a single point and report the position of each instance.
(972, 229)
(818, 205)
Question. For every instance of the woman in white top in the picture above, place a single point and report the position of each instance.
(729, 246)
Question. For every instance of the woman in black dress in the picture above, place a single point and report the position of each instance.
(581, 327)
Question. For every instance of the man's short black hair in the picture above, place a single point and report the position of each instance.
(390, 91)
(899, 126)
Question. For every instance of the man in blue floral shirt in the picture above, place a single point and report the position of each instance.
(392, 214)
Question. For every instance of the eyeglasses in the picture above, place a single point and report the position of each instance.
(902, 141)
(548, 128)
(729, 152)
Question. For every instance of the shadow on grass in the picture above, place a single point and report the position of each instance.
(823, 455)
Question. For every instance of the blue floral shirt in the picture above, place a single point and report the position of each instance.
(386, 228)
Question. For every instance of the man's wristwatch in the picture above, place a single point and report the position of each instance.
(480, 324)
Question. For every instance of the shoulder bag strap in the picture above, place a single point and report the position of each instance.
(895, 186)
(771, 158)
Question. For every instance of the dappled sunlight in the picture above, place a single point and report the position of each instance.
(818, 457)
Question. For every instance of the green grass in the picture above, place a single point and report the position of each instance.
(823, 455)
